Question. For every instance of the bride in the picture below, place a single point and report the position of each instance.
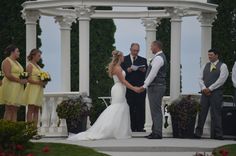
(114, 121)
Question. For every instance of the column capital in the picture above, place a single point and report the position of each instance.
(206, 19)
(151, 23)
(176, 13)
(65, 22)
(84, 12)
(30, 16)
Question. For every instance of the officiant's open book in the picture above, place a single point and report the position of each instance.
(134, 67)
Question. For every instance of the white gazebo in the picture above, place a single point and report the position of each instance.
(66, 12)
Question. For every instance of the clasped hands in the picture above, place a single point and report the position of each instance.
(206, 91)
(139, 89)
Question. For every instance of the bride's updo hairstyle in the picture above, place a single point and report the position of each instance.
(115, 60)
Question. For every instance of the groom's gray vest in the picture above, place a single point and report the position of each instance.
(161, 74)
(210, 77)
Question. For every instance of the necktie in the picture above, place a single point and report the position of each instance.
(134, 58)
(213, 67)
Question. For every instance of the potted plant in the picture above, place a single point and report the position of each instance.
(75, 110)
(183, 113)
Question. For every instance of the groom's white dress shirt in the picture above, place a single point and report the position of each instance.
(157, 62)
(224, 73)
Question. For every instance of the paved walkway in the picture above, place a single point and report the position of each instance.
(140, 146)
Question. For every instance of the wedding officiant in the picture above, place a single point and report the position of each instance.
(135, 67)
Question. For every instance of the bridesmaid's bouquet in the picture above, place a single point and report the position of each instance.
(24, 75)
(44, 76)
(1, 75)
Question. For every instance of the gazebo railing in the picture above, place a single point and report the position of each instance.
(167, 132)
(49, 124)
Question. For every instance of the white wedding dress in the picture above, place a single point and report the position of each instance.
(114, 121)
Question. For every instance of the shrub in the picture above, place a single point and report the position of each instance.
(15, 136)
(73, 108)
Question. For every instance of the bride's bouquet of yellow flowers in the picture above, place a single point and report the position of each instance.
(1, 75)
(44, 76)
(24, 75)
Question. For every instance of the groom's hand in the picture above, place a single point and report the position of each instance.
(141, 89)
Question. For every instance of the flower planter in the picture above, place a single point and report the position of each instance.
(179, 132)
(76, 125)
(183, 113)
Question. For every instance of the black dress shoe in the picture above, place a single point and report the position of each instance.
(148, 135)
(155, 136)
(195, 136)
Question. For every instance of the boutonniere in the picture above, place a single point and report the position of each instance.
(213, 67)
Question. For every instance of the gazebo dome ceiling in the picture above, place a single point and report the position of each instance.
(69, 7)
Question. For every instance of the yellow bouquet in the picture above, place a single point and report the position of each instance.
(24, 75)
(44, 76)
(1, 75)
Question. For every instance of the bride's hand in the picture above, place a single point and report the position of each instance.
(137, 89)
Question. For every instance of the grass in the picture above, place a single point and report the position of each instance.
(230, 148)
(56, 149)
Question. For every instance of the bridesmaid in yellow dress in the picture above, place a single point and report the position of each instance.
(33, 95)
(12, 86)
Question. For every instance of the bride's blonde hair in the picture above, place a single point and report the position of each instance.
(115, 60)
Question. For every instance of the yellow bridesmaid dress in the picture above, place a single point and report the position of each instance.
(12, 92)
(33, 93)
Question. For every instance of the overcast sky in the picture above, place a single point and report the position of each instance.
(128, 31)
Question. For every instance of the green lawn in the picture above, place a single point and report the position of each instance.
(55, 149)
(230, 148)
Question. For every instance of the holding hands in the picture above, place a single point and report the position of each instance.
(139, 89)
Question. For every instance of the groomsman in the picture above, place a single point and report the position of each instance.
(212, 77)
(155, 83)
(135, 75)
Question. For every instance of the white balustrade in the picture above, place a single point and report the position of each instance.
(167, 132)
(49, 124)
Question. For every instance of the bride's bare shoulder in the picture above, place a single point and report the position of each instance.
(117, 69)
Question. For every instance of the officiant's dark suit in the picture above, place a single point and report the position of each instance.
(136, 78)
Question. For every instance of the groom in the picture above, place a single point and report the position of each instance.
(155, 83)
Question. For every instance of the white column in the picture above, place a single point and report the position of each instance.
(150, 27)
(83, 14)
(31, 18)
(206, 20)
(65, 27)
(175, 14)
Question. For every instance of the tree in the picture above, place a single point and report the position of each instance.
(163, 34)
(224, 35)
(13, 32)
(101, 44)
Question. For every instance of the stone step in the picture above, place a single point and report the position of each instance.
(153, 149)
